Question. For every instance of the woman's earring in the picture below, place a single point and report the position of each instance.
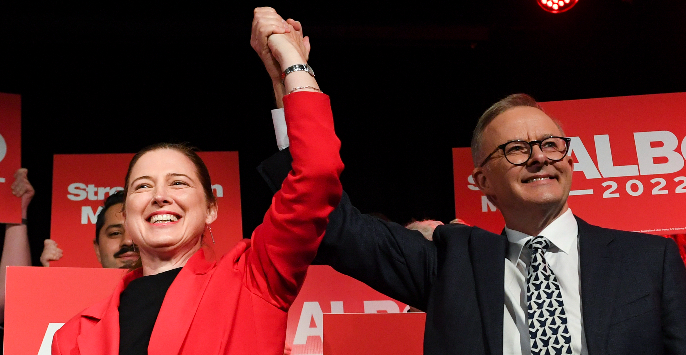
(211, 235)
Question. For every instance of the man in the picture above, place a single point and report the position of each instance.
(113, 248)
(622, 292)
(522, 166)
(614, 292)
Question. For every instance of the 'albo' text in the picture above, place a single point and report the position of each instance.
(657, 153)
(650, 147)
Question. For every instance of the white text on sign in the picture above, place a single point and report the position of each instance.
(657, 153)
(312, 311)
(80, 191)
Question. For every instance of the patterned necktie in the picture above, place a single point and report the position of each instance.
(548, 329)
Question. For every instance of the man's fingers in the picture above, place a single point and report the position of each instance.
(270, 29)
(306, 42)
(296, 24)
(266, 21)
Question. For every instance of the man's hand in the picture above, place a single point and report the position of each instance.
(265, 23)
(51, 252)
(289, 48)
(21, 187)
(426, 227)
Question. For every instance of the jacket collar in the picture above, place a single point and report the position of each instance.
(177, 312)
(175, 315)
(103, 337)
(599, 274)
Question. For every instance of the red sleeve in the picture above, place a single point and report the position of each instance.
(286, 242)
(65, 337)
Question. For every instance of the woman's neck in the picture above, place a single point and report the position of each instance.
(154, 262)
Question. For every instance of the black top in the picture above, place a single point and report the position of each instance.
(139, 306)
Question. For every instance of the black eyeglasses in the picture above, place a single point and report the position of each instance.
(518, 152)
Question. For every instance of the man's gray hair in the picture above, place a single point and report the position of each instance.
(512, 101)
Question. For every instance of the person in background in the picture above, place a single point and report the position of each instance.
(16, 251)
(113, 247)
(426, 227)
(51, 252)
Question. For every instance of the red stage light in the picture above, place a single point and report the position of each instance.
(556, 6)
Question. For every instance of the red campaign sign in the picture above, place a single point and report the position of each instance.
(327, 291)
(81, 182)
(374, 334)
(10, 156)
(40, 300)
(470, 204)
(628, 164)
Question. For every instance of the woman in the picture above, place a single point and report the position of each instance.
(179, 302)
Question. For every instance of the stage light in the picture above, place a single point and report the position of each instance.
(556, 6)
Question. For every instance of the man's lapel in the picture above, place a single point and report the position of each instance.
(488, 260)
(177, 312)
(599, 274)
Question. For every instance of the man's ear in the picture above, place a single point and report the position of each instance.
(484, 184)
(568, 159)
(211, 213)
(480, 180)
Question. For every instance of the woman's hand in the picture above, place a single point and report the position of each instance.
(267, 22)
(290, 47)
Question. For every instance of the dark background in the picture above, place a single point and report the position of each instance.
(407, 82)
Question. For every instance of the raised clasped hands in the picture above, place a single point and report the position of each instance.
(267, 22)
(288, 48)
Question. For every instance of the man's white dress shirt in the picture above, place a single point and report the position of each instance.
(563, 258)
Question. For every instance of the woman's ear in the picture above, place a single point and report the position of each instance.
(211, 213)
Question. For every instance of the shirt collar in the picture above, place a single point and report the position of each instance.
(562, 233)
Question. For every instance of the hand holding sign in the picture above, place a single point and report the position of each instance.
(21, 187)
(51, 252)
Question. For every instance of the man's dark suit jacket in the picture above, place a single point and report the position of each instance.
(633, 286)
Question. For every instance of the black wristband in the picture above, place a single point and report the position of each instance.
(24, 221)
